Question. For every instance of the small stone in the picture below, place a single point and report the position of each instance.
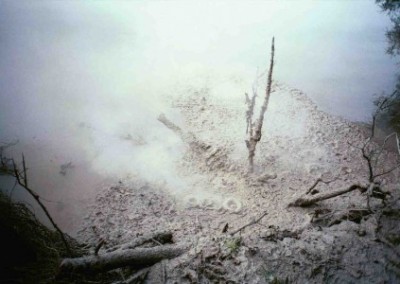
(361, 232)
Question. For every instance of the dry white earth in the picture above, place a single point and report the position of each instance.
(301, 245)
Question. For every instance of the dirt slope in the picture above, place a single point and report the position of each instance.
(299, 145)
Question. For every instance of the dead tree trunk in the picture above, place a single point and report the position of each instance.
(136, 258)
(255, 128)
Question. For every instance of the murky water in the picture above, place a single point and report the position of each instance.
(83, 82)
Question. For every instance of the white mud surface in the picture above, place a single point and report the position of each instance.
(302, 245)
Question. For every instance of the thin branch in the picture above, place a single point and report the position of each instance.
(367, 157)
(249, 224)
(267, 93)
(99, 245)
(387, 172)
(17, 175)
(383, 146)
(25, 170)
(318, 181)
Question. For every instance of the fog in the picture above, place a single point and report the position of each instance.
(83, 82)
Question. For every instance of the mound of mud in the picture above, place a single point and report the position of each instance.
(332, 242)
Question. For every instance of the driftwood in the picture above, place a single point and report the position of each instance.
(135, 258)
(306, 200)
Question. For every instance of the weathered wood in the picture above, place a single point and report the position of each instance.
(158, 237)
(256, 128)
(135, 258)
(305, 201)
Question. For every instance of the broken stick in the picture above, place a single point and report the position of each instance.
(249, 224)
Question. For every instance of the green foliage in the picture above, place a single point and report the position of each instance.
(233, 244)
(392, 8)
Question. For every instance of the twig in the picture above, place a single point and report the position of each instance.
(383, 105)
(249, 224)
(384, 144)
(25, 170)
(318, 181)
(367, 157)
(387, 172)
(23, 184)
(98, 247)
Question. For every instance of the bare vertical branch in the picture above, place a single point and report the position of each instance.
(25, 170)
(267, 92)
(256, 128)
(367, 157)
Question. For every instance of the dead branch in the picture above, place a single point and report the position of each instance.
(169, 124)
(249, 224)
(158, 237)
(387, 171)
(318, 181)
(308, 201)
(187, 137)
(384, 144)
(256, 128)
(135, 258)
(98, 247)
(9, 167)
(384, 104)
(23, 182)
(250, 106)
(250, 111)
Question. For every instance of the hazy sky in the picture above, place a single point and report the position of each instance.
(69, 61)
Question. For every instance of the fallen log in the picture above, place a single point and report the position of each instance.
(157, 237)
(305, 201)
(135, 258)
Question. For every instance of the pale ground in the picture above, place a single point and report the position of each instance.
(299, 145)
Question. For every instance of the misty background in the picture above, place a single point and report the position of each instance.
(82, 83)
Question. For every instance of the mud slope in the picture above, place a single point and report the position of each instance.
(324, 243)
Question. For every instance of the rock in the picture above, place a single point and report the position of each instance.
(265, 177)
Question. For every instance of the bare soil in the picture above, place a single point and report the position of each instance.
(335, 241)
